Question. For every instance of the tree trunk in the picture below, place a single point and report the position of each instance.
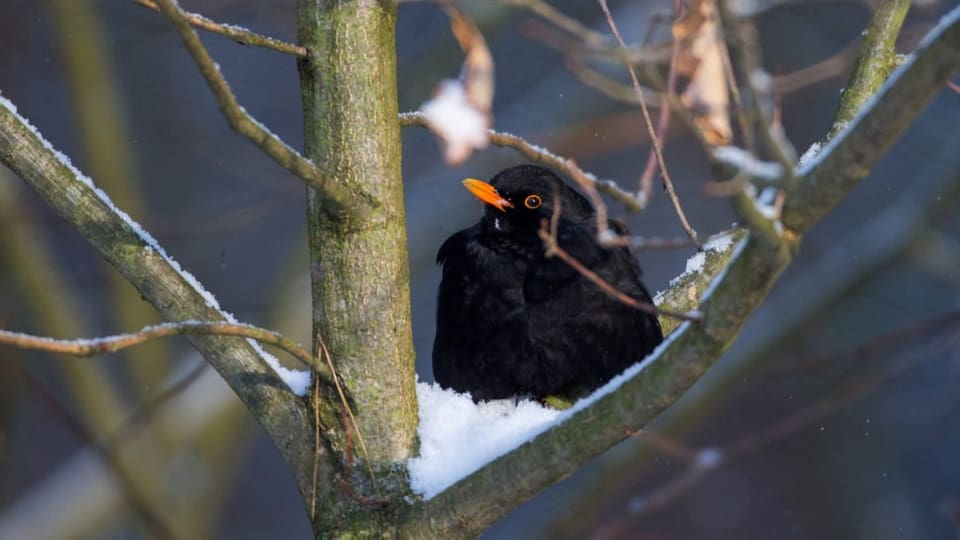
(359, 266)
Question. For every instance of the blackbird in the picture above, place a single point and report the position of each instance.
(512, 322)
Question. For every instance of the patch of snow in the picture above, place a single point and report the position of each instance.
(458, 436)
(458, 123)
(761, 80)
(719, 243)
(695, 263)
(745, 161)
(294, 379)
(809, 154)
(768, 196)
(297, 380)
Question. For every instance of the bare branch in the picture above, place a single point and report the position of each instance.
(236, 33)
(339, 196)
(158, 278)
(645, 184)
(540, 155)
(710, 459)
(548, 234)
(111, 344)
(564, 22)
(667, 183)
(746, 274)
(879, 123)
(875, 61)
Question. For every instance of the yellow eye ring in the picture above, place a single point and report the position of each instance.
(532, 201)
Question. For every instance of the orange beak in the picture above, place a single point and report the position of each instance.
(486, 193)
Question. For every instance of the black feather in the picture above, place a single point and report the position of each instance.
(512, 322)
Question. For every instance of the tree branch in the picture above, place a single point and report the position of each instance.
(876, 60)
(158, 278)
(648, 123)
(544, 156)
(236, 33)
(850, 155)
(111, 344)
(339, 197)
(747, 274)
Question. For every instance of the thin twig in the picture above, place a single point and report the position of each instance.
(137, 501)
(236, 33)
(145, 411)
(91, 347)
(562, 21)
(742, 48)
(549, 36)
(643, 243)
(353, 419)
(953, 86)
(668, 445)
(645, 184)
(540, 155)
(710, 459)
(548, 234)
(667, 182)
(340, 195)
(316, 452)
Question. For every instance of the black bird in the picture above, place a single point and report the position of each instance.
(513, 322)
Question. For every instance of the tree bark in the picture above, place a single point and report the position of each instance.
(359, 266)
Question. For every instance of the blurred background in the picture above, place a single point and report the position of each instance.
(854, 332)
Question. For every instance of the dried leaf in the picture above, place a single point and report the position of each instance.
(707, 93)
(459, 112)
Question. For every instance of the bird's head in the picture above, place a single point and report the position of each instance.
(519, 198)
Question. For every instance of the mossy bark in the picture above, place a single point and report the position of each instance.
(359, 266)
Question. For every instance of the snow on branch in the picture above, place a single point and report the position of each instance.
(156, 275)
(298, 381)
(339, 196)
(234, 32)
(730, 295)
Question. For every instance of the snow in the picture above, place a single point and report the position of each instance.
(458, 436)
(746, 162)
(809, 154)
(718, 244)
(460, 125)
(293, 379)
(297, 380)
(695, 263)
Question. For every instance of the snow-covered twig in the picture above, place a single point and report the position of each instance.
(175, 293)
(540, 155)
(746, 163)
(110, 344)
(755, 86)
(236, 33)
(648, 123)
(339, 195)
(548, 234)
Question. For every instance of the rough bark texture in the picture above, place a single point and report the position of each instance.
(876, 60)
(359, 265)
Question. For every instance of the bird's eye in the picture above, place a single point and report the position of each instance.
(532, 201)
